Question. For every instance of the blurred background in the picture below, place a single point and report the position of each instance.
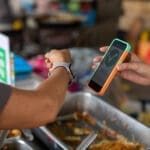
(36, 26)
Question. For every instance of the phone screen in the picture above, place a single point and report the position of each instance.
(107, 65)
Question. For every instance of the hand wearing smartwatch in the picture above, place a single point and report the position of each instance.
(55, 60)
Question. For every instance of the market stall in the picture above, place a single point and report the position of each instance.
(118, 120)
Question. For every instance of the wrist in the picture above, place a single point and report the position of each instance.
(63, 72)
(65, 66)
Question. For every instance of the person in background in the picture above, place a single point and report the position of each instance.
(33, 108)
(135, 70)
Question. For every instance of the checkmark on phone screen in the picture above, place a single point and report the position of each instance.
(112, 58)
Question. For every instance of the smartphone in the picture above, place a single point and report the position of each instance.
(107, 69)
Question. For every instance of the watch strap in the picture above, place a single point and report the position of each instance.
(67, 66)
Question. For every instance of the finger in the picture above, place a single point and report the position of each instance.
(103, 49)
(94, 67)
(97, 59)
(47, 55)
(128, 66)
(47, 60)
(139, 68)
(133, 77)
(49, 65)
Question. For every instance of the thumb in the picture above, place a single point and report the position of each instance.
(129, 66)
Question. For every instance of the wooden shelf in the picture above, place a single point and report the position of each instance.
(85, 0)
(136, 0)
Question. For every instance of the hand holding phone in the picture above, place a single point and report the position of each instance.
(107, 69)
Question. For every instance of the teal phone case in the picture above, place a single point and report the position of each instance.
(128, 48)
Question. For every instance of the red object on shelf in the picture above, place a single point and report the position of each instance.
(39, 66)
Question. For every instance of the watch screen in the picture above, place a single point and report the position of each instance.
(107, 64)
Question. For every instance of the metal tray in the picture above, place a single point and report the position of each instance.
(103, 112)
(18, 143)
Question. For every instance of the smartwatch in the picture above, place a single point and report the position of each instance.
(67, 66)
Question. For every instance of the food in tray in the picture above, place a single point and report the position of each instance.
(81, 124)
(72, 139)
(81, 131)
(85, 116)
(11, 134)
(14, 132)
(109, 134)
(116, 145)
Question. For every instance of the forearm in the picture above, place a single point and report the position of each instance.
(27, 109)
(55, 87)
